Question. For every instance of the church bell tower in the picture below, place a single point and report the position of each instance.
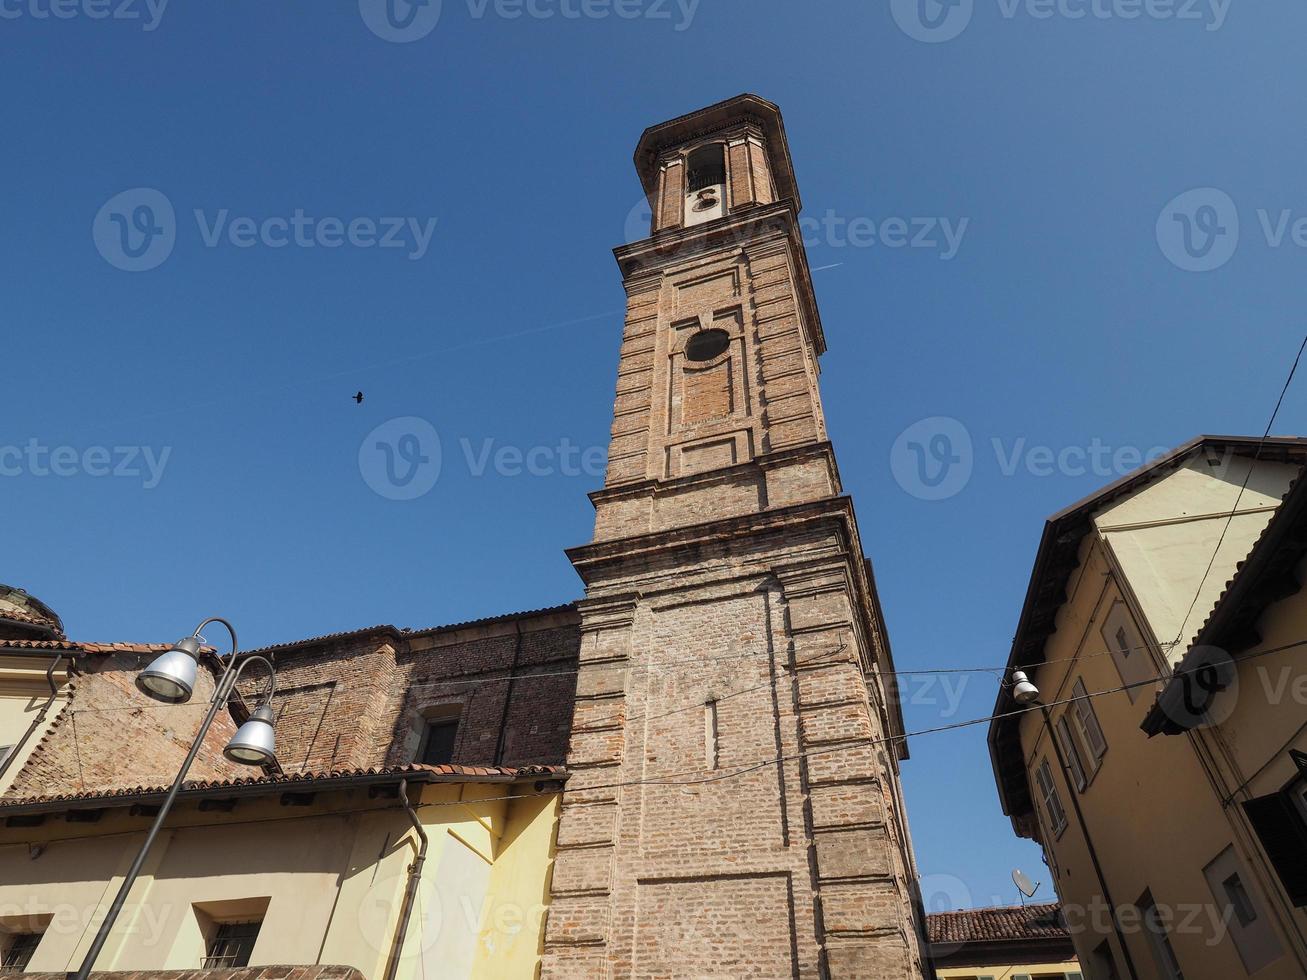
(734, 807)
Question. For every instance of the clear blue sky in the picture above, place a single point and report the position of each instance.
(1059, 321)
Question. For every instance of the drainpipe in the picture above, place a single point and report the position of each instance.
(411, 889)
(1089, 842)
(40, 716)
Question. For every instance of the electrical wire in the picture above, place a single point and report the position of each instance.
(1243, 487)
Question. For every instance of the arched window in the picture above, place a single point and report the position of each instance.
(707, 167)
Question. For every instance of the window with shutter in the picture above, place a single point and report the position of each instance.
(1088, 723)
(1071, 752)
(1280, 828)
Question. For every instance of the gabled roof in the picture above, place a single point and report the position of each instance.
(1056, 559)
(1265, 576)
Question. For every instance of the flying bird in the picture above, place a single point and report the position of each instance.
(358, 397)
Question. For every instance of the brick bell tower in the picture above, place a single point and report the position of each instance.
(730, 619)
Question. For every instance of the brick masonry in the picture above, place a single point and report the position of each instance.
(729, 622)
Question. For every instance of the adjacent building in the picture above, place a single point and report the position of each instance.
(1019, 942)
(1161, 765)
(693, 770)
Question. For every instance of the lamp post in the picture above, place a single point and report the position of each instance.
(171, 678)
(1026, 694)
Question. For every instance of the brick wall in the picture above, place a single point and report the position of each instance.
(352, 702)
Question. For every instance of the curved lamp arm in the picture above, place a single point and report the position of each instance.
(230, 629)
(269, 690)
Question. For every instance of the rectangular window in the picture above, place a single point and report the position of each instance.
(1158, 939)
(231, 945)
(438, 743)
(1282, 830)
(18, 951)
(1087, 723)
(1052, 802)
(1249, 930)
(1071, 753)
(1123, 641)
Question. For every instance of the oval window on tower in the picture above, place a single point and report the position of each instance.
(707, 344)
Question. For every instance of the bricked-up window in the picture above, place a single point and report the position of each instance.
(18, 950)
(438, 742)
(707, 167)
(231, 945)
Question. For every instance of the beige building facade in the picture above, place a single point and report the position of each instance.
(1157, 766)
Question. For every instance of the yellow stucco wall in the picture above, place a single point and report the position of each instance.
(1155, 807)
(1035, 971)
(327, 879)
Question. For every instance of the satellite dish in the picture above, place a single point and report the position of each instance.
(1023, 883)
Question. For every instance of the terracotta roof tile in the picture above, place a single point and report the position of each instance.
(387, 628)
(322, 779)
(1001, 924)
(74, 646)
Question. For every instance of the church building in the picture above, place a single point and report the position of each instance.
(692, 771)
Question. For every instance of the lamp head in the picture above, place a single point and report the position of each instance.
(255, 742)
(1023, 692)
(171, 677)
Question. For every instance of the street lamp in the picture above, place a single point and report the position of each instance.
(171, 679)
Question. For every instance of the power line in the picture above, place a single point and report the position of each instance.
(1244, 486)
(671, 779)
